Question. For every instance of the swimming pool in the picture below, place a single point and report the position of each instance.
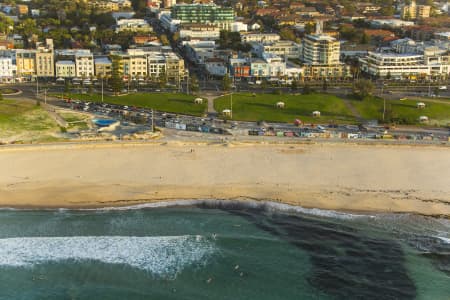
(103, 122)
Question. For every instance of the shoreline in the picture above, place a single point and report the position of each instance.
(338, 177)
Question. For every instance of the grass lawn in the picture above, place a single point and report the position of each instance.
(169, 102)
(20, 118)
(406, 112)
(76, 121)
(263, 107)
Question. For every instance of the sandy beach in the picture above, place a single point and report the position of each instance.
(376, 178)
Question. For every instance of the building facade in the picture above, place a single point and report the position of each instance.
(7, 69)
(213, 14)
(65, 69)
(84, 65)
(321, 49)
(45, 62)
(26, 62)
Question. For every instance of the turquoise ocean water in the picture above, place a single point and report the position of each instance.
(222, 251)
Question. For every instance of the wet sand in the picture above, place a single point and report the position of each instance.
(375, 178)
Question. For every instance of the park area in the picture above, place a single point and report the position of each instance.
(405, 111)
(168, 102)
(251, 107)
(258, 107)
(25, 121)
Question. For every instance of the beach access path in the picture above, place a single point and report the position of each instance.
(376, 178)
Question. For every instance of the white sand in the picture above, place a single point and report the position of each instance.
(331, 176)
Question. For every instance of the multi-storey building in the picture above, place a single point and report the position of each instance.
(221, 17)
(175, 70)
(26, 62)
(138, 63)
(135, 25)
(103, 67)
(84, 62)
(321, 49)
(7, 69)
(259, 68)
(260, 37)
(45, 62)
(156, 63)
(65, 69)
(281, 48)
(240, 68)
(277, 66)
(400, 65)
(413, 11)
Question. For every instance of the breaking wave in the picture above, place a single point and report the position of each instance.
(162, 256)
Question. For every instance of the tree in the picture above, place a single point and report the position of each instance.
(325, 85)
(288, 34)
(363, 88)
(307, 89)
(116, 78)
(66, 86)
(388, 75)
(162, 79)
(226, 82)
(365, 39)
(194, 86)
(294, 85)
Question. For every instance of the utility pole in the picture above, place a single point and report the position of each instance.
(153, 121)
(37, 86)
(45, 96)
(102, 89)
(187, 85)
(231, 105)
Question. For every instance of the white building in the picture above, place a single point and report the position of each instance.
(238, 27)
(281, 48)
(204, 32)
(277, 66)
(65, 69)
(260, 37)
(259, 68)
(7, 69)
(321, 49)
(84, 65)
(135, 25)
(394, 64)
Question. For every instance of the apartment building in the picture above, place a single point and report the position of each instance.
(45, 62)
(287, 49)
(7, 69)
(321, 49)
(212, 14)
(399, 65)
(175, 70)
(414, 11)
(240, 67)
(134, 25)
(156, 63)
(260, 37)
(25, 62)
(65, 69)
(103, 67)
(84, 62)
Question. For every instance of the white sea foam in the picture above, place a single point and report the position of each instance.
(164, 256)
(444, 239)
(250, 203)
